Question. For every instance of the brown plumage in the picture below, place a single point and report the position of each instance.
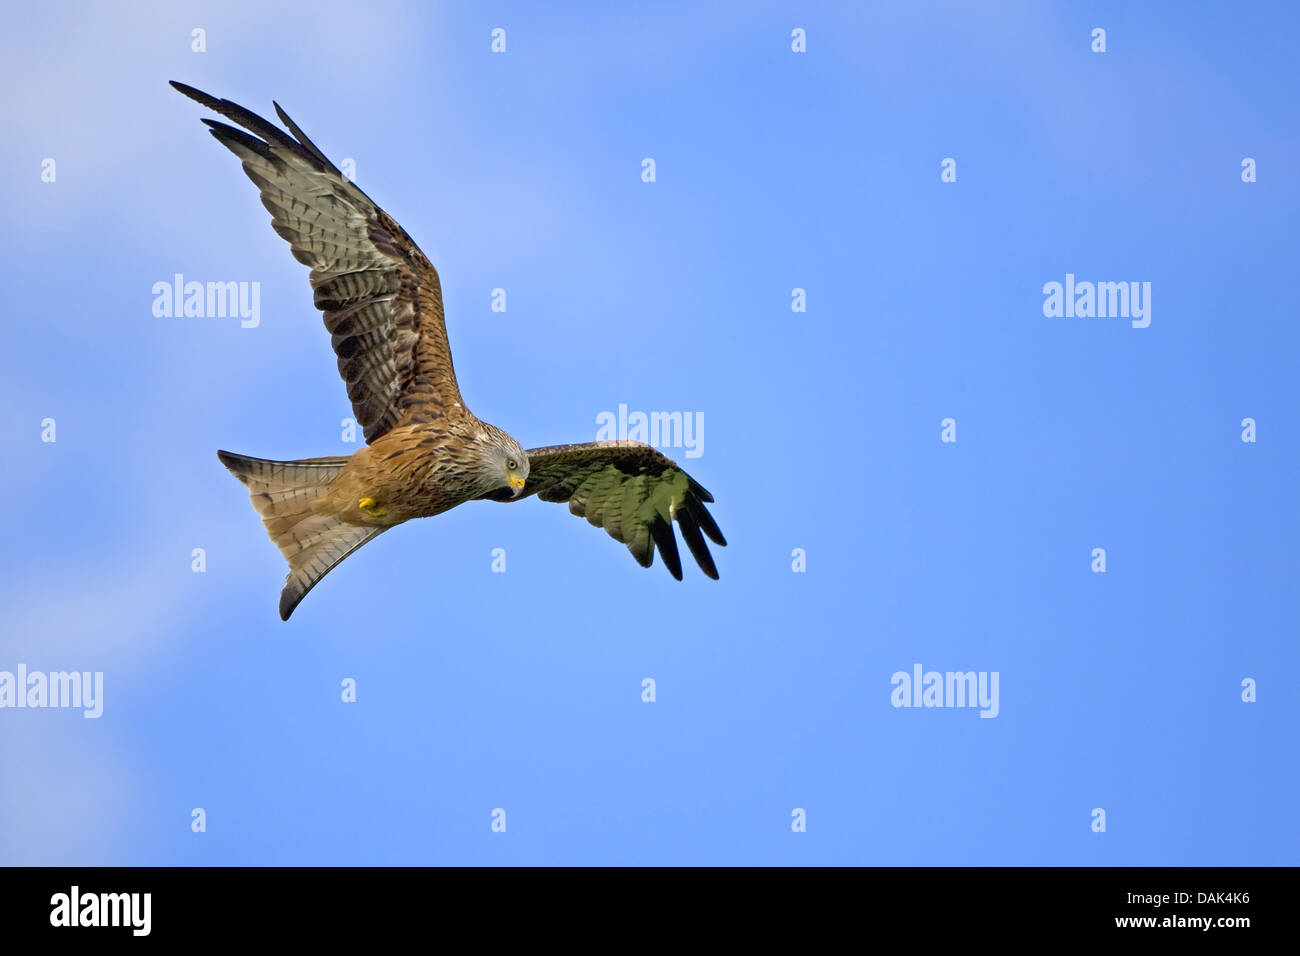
(426, 452)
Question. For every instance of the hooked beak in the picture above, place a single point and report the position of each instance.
(516, 484)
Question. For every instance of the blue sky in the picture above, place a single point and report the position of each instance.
(775, 170)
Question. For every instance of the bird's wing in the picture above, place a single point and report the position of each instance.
(632, 491)
(380, 294)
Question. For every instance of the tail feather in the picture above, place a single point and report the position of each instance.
(313, 542)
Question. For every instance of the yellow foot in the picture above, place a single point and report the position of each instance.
(372, 507)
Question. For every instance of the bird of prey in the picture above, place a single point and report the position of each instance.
(425, 451)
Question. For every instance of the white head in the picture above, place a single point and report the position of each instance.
(503, 463)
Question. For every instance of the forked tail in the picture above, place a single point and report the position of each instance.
(313, 542)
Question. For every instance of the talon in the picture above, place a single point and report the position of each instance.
(371, 507)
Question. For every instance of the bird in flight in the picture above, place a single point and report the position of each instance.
(425, 452)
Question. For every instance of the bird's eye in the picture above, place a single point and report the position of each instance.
(512, 464)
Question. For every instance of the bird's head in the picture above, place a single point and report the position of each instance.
(503, 463)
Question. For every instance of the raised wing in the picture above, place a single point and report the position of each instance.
(380, 294)
(632, 491)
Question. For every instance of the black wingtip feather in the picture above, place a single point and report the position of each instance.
(244, 117)
(226, 134)
(302, 138)
(700, 490)
(707, 524)
(644, 558)
(695, 541)
(667, 542)
(194, 94)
